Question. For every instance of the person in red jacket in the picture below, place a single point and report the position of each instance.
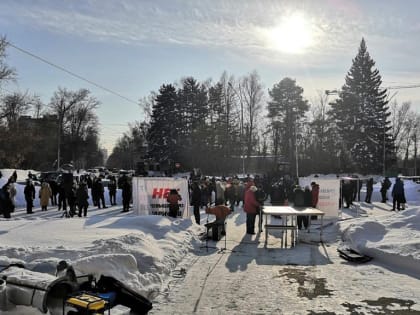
(315, 194)
(172, 199)
(221, 212)
(251, 208)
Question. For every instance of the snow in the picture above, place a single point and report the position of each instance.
(163, 259)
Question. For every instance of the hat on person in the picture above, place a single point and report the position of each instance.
(253, 188)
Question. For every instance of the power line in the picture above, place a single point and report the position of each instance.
(399, 87)
(71, 73)
(394, 87)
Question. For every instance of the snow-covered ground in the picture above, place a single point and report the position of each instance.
(163, 259)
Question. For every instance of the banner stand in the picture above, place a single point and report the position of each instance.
(150, 193)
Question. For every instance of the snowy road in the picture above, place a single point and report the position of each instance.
(308, 279)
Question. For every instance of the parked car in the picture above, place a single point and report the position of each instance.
(49, 176)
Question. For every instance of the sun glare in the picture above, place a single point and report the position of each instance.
(293, 35)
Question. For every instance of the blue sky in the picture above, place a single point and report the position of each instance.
(135, 46)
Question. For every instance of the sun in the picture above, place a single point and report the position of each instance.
(292, 35)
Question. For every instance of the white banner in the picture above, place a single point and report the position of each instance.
(329, 194)
(150, 193)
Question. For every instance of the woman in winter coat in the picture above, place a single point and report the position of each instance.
(44, 195)
(251, 206)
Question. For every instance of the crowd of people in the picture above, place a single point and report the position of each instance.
(69, 194)
(227, 193)
(351, 187)
(72, 194)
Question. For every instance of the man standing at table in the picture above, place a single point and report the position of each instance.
(250, 207)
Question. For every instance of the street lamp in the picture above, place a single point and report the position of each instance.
(241, 126)
(296, 153)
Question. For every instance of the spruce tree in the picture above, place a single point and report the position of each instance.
(192, 99)
(163, 132)
(361, 114)
(286, 111)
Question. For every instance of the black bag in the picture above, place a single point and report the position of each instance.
(352, 255)
(217, 232)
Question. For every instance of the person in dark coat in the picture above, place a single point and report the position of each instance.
(82, 197)
(100, 191)
(71, 199)
(369, 190)
(196, 201)
(126, 195)
(29, 192)
(386, 184)
(95, 192)
(112, 189)
(299, 199)
(6, 204)
(347, 192)
(62, 199)
(278, 195)
(172, 199)
(398, 195)
(54, 191)
(302, 200)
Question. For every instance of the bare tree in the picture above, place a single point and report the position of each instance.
(407, 136)
(13, 106)
(320, 121)
(6, 73)
(146, 104)
(251, 91)
(37, 106)
(399, 118)
(415, 138)
(81, 122)
(61, 104)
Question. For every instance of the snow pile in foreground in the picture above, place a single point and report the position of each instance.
(139, 251)
(392, 239)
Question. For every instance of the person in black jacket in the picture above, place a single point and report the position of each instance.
(299, 202)
(386, 184)
(369, 190)
(398, 195)
(112, 190)
(278, 194)
(196, 201)
(303, 221)
(347, 189)
(126, 195)
(6, 203)
(82, 197)
(29, 193)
